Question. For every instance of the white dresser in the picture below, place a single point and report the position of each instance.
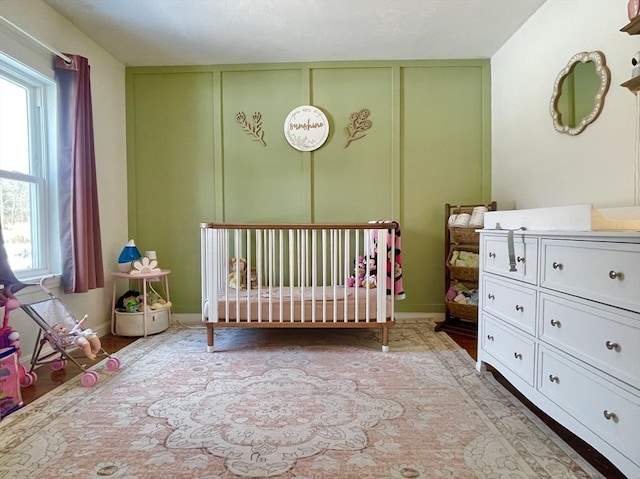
(564, 329)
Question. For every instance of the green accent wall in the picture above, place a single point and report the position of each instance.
(189, 161)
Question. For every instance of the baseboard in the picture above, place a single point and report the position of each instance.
(187, 319)
(419, 315)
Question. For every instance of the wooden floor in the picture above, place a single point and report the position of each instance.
(48, 380)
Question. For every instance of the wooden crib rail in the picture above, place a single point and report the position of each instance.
(306, 226)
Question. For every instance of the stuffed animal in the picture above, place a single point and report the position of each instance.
(370, 281)
(129, 302)
(360, 278)
(85, 339)
(237, 278)
(253, 278)
(360, 272)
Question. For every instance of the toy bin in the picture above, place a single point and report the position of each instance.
(132, 324)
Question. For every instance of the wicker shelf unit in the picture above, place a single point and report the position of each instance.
(460, 318)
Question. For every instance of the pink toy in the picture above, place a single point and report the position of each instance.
(10, 338)
(360, 273)
(362, 278)
(10, 394)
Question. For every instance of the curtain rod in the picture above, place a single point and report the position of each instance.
(52, 50)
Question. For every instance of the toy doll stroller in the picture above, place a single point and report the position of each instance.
(66, 336)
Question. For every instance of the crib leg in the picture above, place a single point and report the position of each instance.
(385, 339)
(209, 337)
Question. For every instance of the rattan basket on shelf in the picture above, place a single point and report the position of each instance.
(463, 311)
(463, 273)
(464, 235)
(460, 310)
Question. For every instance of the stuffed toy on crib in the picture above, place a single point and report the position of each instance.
(361, 279)
(237, 278)
(87, 340)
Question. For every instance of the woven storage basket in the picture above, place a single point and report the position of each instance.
(460, 272)
(463, 311)
(463, 235)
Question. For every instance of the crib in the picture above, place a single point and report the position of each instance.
(300, 276)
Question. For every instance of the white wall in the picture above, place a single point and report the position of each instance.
(533, 165)
(108, 93)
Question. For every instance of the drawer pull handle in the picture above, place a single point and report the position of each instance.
(491, 296)
(616, 274)
(492, 254)
(555, 323)
(556, 265)
(519, 308)
(489, 337)
(611, 346)
(517, 355)
(610, 416)
(554, 379)
(520, 259)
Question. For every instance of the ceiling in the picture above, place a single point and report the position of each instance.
(206, 32)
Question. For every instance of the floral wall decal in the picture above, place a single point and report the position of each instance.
(357, 124)
(254, 129)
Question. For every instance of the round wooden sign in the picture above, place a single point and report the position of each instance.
(306, 128)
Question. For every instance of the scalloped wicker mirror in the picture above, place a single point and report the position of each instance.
(579, 91)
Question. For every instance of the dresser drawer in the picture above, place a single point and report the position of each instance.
(604, 337)
(513, 349)
(605, 272)
(609, 411)
(495, 257)
(513, 303)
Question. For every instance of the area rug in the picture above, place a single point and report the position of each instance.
(302, 404)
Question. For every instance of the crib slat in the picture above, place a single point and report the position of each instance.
(324, 275)
(314, 273)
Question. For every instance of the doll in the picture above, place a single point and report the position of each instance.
(85, 339)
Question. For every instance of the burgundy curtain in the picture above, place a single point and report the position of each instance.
(82, 267)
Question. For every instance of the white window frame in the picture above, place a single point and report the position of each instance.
(42, 149)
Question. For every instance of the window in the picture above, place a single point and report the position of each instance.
(27, 174)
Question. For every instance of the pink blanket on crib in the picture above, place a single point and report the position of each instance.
(394, 250)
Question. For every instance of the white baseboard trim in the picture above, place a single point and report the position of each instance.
(420, 315)
(187, 319)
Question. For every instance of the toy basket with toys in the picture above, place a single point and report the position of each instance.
(62, 338)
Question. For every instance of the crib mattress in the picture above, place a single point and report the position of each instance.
(299, 304)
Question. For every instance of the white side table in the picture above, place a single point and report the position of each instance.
(161, 276)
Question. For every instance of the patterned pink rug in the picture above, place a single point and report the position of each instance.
(303, 404)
